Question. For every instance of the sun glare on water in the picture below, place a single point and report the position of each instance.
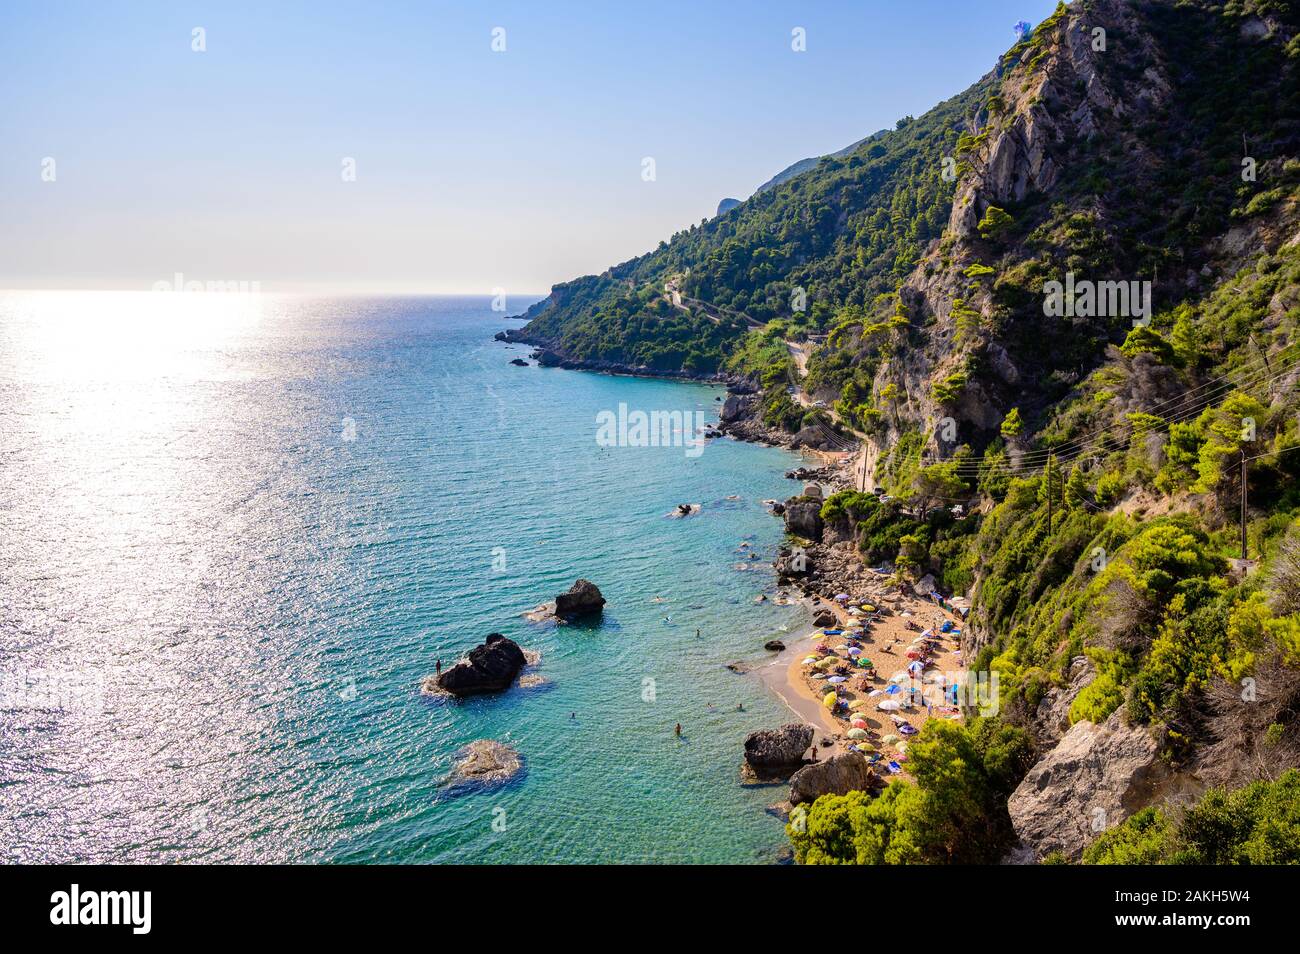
(125, 335)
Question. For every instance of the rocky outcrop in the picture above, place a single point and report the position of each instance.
(825, 618)
(486, 762)
(519, 362)
(491, 667)
(803, 518)
(774, 645)
(735, 407)
(1052, 719)
(838, 775)
(775, 750)
(583, 599)
(817, 437)
(1097, 776)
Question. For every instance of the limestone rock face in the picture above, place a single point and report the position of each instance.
(838, 775)
(1097, 776)
(583, 599)
(1052, 719)
(775, 749)
(735, 407)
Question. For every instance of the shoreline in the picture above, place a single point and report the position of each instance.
(885, 642)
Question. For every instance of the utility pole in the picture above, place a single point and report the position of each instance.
(1243, 506)
(1049, 494)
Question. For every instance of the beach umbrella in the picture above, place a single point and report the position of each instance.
(859, 703)
(868, 608)
(889, 706)
(873, 692)
(810, 660)
(898, 676)
(915, 667)
(891, 739)
(857, 733)
(828, 700)
(894, 689)
(902, 747)
(859, 723)
(841, 597)
(836, 680)
(855, 651)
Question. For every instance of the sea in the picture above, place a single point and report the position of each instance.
(237, 531)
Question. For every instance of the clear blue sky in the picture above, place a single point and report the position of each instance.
(475, 169)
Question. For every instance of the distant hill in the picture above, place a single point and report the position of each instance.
(803, 165)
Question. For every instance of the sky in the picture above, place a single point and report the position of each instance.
(475, 169)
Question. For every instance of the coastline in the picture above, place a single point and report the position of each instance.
(897, 618)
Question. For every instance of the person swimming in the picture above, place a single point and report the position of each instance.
(679, 730)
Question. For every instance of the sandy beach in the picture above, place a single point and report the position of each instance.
(896, 627)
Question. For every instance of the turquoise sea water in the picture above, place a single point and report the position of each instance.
(236, 534)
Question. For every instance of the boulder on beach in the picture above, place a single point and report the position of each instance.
(491, 667)
(583, 599)
(825, 619)
(838, 775)
(486, 762)
(771, 750)
(774, 645)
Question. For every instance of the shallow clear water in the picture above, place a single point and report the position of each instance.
(235, 533)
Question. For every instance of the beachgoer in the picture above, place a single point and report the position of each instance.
(438, 665)
(679, 729)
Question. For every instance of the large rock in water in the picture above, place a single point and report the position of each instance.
(803, 518)
(490, 667)
(583, 599)
(771, 750)
(1096, 777)
(838, 775)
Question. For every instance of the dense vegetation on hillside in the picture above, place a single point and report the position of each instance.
(846, 231)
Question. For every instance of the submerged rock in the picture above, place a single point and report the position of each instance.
(519, 363)
(491, 667)
(583, 599)
(486, 762)
(774, 645)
